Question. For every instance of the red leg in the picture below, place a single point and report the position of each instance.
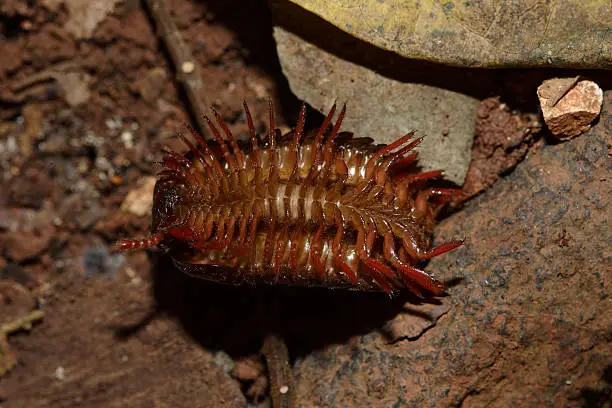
(410, 273)
(411, 177)
(364, 257)
(363, 247)
(316, 252)
(226, 153)
(269, 245)
(194, 150)
(148, 242)
(373, 161)
(337, 256)
(318, 142)
(254, 142)
(294, 248)
(416, 252)
(318, 147)
(329, 144)
(422, 199)
(280, 251)
(205, 151)
(177, 162)
(230, 137)
(297, 136)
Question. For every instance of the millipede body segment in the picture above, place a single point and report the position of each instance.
(316, 209)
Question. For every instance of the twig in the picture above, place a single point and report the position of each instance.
(43, 76)
(7, 358)
(187, 70)
(282, 381)
(23, 323)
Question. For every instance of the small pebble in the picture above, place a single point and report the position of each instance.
(60, 373)
(569, 106)
(188, 67)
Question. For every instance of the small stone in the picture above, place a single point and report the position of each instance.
(188, 67)
(569, 106)
(248, 369)
(140, 201)
(25, 245)
(127, 138)
(60, 373)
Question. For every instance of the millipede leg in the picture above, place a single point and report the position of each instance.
(148, 242)
(237, 153)
(237, 247)
(293, 248)
(231, 229)
(403, 162)
(409, 273)
(371, 262)
(316, 252)
(280, 251)
(421, 203)
(295, 146)
(366, 245)
(226, 153)
(414, 250)
(411, 178)
(337, 256)
(254, 142)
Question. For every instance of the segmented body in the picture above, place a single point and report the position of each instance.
(322, 209)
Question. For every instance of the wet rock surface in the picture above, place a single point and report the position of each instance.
(528, 324)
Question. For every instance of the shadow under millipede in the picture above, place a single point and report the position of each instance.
(236, 319)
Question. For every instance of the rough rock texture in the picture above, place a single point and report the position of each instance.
(569, 106)
(382, 107)
(503, 138)
(483, 33)
(528, 326)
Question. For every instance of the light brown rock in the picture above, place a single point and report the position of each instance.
(140, 201)
(569, 106)
(382, 107)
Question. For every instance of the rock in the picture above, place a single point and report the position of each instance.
(385, 107)
(30, 189)
(140, 201)
(32, 113)
(25, 245)
(529, 320)
(75, 86)
(484, 33)
(502, 140)
(569, 106)
(248, 369)
(83, 17)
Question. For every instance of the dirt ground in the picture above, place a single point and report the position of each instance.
(84, 112)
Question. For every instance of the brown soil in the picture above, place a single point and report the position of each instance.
(83, 117)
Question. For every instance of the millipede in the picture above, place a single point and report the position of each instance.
(318, 208)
